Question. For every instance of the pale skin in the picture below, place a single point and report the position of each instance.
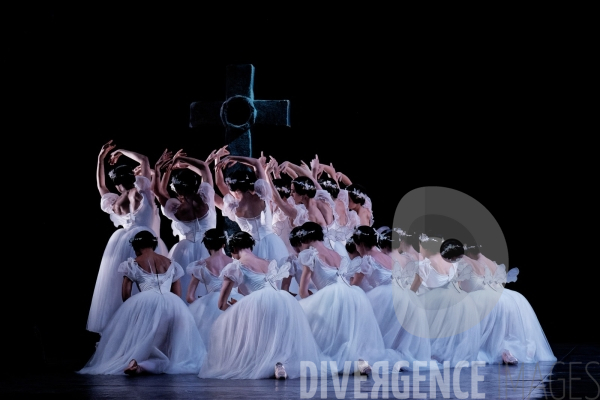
(327, 256)
(437, 262)
(319, 212)
(381, 258)
(152, 263)
(315, 214)
(482, 260)
(338, 177)
(364, 214)
(129, 197)
(250, 205)
(214, 263)
(250, 261)
(192, 206)
(285, 282)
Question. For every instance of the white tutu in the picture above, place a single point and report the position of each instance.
(106, 298)
(263, 328)
(153, 327)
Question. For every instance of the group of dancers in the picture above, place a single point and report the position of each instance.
(306, 278)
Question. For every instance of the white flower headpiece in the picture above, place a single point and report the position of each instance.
(328, 184)
(401, 232)
(358, 193)
(230, 181)
(301, 233)
(450, 247)
(283, 189)
(305, 185)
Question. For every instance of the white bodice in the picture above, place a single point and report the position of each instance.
(145, 213)
(322, 274)
(374, 272)
(339, 232)
(259, 226)
(160, 283)
(469, 280)
(193, 230)
(250, 280)
(432, 278)
(213, 283)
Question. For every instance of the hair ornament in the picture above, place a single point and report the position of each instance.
(301, 233)
(401, 232)
(283, 189)
(328, 184)
(358, 193)
(450, 247)
(305, 185)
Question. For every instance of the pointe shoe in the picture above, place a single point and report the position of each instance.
(364, 367)
(280, 371)
(133, 368)
(508, 358)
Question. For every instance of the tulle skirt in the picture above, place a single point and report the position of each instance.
(186, 252)
(107, 291)
(206, 311)
(538, 348)
(344, 325)
(270, 247)
(402, 321)
(155, 329)
(263, 328)
(454, 329)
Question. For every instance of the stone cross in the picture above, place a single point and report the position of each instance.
(240, 112)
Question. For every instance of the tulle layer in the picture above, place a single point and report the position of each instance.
(185, 252)
(343, 324)
(153, 328)
(266, 327)
(107, 291)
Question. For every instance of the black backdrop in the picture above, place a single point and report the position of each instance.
(392, 108)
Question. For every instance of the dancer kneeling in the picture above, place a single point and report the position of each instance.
(153, 331)
(263, 335)
(340, 315)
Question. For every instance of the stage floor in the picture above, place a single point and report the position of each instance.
(576, 375)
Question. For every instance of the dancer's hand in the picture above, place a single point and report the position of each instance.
(225, 163)
(262, 160)
(163, 159)
(106, 148)
(114, 156)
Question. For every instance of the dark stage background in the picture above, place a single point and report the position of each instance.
(394, 109)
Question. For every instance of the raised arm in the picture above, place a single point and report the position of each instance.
(289, 210)
(100, 175)
(298, 170)
(159, 184)
(140, 158)
(254, 163)
(198, 166)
